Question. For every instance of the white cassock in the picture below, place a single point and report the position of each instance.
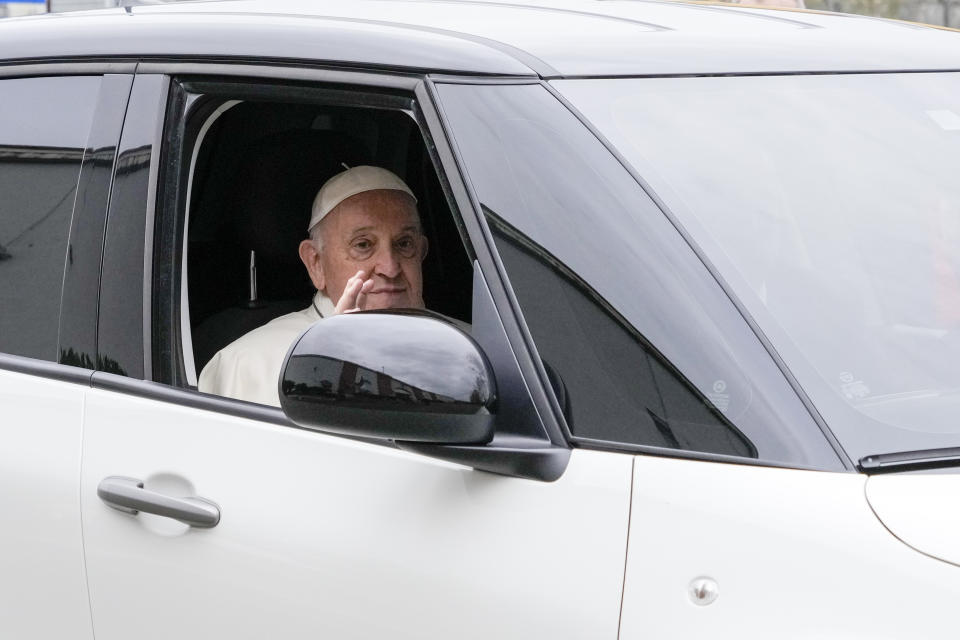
(249, 367)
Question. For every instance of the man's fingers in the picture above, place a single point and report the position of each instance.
(348, 300)
(362, 294)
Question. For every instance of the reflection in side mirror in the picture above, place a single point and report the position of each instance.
(401, 375)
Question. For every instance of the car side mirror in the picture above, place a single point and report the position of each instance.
(400, 375)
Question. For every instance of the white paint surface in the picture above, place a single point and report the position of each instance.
(323, 537)
(43, 593)
(922, 510)
(795, 554)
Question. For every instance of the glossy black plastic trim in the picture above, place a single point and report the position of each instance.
(424, 115)
(516, 413)
(399, 81)
(911, 461)
(123, 331)
(329, 94)
(665, 452)
(45, 369)
(410, 364)
(371, 68)
(443, 78)
(79, 304)
(740, 74)
(825, 431)
(527, 356)
(507, 454)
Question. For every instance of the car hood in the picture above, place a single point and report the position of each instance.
(922, 510)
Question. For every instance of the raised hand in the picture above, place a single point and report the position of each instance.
(355, 293)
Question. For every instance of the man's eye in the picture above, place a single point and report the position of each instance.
(406, 246)
(362, 245)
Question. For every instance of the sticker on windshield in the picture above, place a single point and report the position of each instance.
(948, 120)
(852, 388)
(719, 397)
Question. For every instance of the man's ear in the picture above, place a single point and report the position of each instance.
(311, 260)
(426, 247)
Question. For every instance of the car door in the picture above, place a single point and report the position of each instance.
(316, 535)
(58, 134)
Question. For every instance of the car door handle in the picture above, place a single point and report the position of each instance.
(128, 495)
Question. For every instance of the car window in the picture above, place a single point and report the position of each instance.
(644, 347)
(254, 167)
(44, 124)
(836, 227)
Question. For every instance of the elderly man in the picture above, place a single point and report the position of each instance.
(365, 251)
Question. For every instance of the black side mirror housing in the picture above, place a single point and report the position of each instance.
(404, 375)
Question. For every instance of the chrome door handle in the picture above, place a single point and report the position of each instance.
(128, 495)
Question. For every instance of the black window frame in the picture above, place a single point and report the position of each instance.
(190, 90)
(123, 325)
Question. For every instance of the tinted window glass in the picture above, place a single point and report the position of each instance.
(44, 124)
(829, 204)
(619, 389)
(649, 349)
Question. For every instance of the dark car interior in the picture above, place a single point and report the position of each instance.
(257, 170)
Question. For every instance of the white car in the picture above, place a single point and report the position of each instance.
(709, 258)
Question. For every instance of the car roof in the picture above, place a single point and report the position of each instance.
(562, 38)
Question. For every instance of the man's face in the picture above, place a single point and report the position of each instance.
(377, 232)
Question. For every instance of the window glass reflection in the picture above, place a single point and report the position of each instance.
(622, 389)
(44, 124)
(830, 204)
(618, 306)
(402, 357)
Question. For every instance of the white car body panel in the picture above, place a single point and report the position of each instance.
(323, 536)
(795, 554)
(43, 593)
(921, 510)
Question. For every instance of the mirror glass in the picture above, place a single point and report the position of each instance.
(346, 371)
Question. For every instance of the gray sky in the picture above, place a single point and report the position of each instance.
(47, 112)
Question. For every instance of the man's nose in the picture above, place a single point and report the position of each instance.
(388, 263)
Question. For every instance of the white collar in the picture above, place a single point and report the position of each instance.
(322, 307)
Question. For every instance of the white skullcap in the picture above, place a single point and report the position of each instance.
(349, 183)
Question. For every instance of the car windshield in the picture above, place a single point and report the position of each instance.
(830, 205)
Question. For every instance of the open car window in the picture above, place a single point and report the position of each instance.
(253, 167)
